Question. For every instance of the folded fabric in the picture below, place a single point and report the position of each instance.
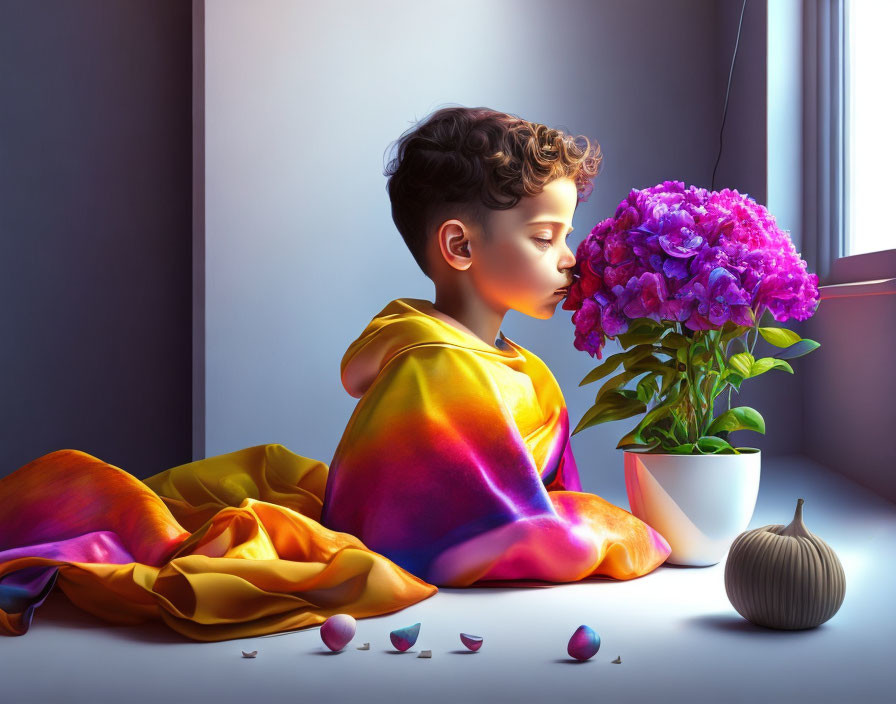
(457, 465)
(455, 468)
(225, 547)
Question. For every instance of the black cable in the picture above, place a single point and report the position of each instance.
(727, 91)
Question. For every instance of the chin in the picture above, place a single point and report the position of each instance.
(541, 309)
(544, 312)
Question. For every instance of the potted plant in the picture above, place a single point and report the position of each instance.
(687, 280)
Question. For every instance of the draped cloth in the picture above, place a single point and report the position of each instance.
(454, 469)
(224, 547)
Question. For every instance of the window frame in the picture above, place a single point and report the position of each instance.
(874, 271)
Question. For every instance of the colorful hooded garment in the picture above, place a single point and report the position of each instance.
(457, 464)
(455, 468)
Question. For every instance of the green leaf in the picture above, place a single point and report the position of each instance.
(675, 340)
(711, 444)
(779, 337)
(679, 426)
(720, 359)
(804, 346)
(742, 363)
(631, 438)
(701, 397)
(611, 363)
(614, 383)
(639, 447)
(659, 411)
(614, 406)
(668, 370)
(739, 418)
(648, 365)
(641, 331)
(732, 378)
(656, 430)
(731, 331)
(760, 366)
(647, 388)
(686, 449)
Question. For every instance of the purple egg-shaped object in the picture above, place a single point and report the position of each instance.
(404, 638)
(337, 631)
(584, 643)
(472, 642)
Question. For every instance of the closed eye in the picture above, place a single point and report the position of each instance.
(539, 239)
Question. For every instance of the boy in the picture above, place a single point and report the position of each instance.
(456, 463)
(455, 466)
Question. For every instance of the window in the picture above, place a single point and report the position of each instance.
(870, 56)
(848, 66)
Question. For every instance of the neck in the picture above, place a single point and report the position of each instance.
(472, 313)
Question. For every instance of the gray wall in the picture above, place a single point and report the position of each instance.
(848, 385)
(301, 104)
(95, 231)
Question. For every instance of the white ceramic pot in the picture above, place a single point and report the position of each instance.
(698, 503)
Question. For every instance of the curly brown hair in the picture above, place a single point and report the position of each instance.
(464, 162)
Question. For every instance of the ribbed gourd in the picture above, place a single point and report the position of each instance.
(784, 576)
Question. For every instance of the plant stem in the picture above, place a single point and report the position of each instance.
(750, 345)
(695, 409)
(688, 404)
(698, 405)
(709, 387)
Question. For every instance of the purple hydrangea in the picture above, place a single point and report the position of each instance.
(690, 256)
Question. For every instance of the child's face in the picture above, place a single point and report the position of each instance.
(527, 258)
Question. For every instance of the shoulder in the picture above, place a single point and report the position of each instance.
(437, 360)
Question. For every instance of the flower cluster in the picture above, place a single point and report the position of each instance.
(690, 256)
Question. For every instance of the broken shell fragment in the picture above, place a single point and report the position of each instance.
(472, 642)
(425, 654)
(404, 638)
(618, 660)
(366, 646)
(337, 631)
(249, 655)
(584, 643)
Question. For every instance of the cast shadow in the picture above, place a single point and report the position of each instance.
(571, 661)
(735, 623)
(58, 612)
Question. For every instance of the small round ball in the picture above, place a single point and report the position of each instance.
(337, 631)
(584, 643)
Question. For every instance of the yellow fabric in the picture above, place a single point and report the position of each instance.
(251, 562)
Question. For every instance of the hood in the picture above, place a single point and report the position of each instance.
(402, 324)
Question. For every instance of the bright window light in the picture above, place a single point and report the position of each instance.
(871, 138)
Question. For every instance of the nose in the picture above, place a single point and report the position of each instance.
(569, 259)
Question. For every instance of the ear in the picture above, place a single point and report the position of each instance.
(454, 244)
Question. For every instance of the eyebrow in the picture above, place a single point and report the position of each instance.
(549, 222)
